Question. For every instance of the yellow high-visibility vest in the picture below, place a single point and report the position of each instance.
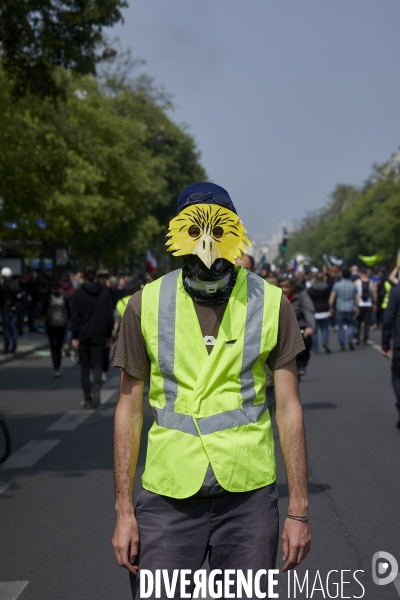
(209, 408)
(385, 301)
(122, 304)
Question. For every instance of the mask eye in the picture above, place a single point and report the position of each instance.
(218, 232)
(194, 231)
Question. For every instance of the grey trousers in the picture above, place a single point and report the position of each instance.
(235, 531)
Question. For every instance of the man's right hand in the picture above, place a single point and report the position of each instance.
(386, 353)
(126, 542)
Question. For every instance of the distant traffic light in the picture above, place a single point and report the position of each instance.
(284, 242)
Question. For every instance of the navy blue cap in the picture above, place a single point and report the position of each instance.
(204, 193)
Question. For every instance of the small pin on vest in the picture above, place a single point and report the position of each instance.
(209, 340)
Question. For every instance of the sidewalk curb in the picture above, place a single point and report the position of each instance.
(22, 354)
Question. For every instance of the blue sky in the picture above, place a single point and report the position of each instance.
(284, 98)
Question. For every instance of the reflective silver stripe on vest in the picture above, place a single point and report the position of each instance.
(250, 413)
(173, 420)
(166, 417)
(252, 337)
(166, 336)
(231, 418)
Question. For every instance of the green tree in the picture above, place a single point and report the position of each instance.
(364, 220)
(38, 35)
(103, 169)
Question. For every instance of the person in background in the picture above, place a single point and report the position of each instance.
(319, 294)
(23, 303)
(247, 262)
(304, 311)
(77, 280)
(32, 290)
(391, 327)
(273, 280)
(44, 291)
(157, 273)
(354, 275)
(10, 294)
(92, 324)
(103, 277)
(67, 290)
(375, 279)
(56, 311)
(394, 275)
(115, 292)
(343, 304)
(309, 279)
(299, 277)
(121, 285)
(382, 295)
(132, 287)
(334, 274)
(366, 303)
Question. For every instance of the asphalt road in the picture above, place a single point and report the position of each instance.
(57, 515)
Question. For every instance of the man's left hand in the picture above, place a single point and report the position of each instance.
(308, 331)
(386, 353)
(296, 542)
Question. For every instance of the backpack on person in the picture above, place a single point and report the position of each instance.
(57, 315)
(365, 291)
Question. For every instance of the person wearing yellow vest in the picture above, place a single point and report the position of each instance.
(204, 334)
(132, 287)
(387, 286)
(383, 289)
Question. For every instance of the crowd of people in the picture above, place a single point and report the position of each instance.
(349, 301)
(81, 311)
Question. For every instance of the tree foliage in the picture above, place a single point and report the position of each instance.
(363, 220)
(37, 35)
(103, 169)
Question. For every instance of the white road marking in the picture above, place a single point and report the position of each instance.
(113, 382)
(11, 590)
(3, 486)
(377, 347)
(42, 352)
(70, 421)
(29, 455)
(397, 584)
(106, 395)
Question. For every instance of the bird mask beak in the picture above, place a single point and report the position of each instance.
(206, 249)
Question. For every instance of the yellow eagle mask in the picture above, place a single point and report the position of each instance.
(208, 231)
